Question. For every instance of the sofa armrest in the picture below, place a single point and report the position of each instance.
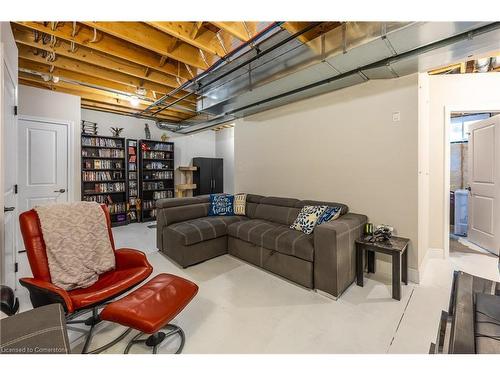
(335, 254)
(177, 210)
(43, 293)
(38, 331)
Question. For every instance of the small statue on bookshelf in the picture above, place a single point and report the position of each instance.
(116, 131)
(164, 137)
(147, 131)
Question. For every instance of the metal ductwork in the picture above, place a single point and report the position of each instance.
(281, 69)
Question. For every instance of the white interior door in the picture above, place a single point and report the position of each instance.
(484, 183)
(43, 162)
(9, 167)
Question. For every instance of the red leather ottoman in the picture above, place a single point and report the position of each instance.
(151, 307)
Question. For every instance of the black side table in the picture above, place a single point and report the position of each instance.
(397, 248)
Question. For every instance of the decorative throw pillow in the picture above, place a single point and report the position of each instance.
(308, 218)
(330, 214)
(221, 205)
(240, 202)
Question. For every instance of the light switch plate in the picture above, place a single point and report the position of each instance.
(396, 116)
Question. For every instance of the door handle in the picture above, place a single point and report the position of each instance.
(468, 188)
(8, 209)
(60, 191)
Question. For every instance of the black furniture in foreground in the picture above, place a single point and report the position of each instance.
(397, 248)
(38, 331)
(209, 178)
(472, 323)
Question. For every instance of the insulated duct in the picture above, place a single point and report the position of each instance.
(345, 56)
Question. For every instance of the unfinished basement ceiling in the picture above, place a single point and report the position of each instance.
(123, 67)
(191, 76)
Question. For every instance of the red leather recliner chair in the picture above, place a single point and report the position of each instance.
(131, 269)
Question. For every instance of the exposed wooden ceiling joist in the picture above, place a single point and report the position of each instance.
(98, 95)
(236, 29)
(63, 48)
(150, 38)
(193, 34)
(98, 100)
(76, 76)
(66, 63)
(111, 46)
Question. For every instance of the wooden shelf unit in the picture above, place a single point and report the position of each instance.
(133, 181)
(156, 175)
(103, 174)
(186, 188)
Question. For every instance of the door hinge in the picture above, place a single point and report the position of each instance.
(15, 189)
(16, 267)
(15, 110)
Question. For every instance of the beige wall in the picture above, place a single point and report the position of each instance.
(342, 146)
(459, 92)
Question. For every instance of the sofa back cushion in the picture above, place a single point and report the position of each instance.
(277, 210)
(182, 213)
(253, 201)
(343, 207)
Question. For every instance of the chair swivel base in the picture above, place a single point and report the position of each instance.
(157, 338)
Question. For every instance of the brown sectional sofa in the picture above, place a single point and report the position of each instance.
(323, 260)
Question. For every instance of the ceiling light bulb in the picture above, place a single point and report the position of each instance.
(134, 101)
(55, 79)
(140, 91)
(46, 77)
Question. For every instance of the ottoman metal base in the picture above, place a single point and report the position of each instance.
(157, 338)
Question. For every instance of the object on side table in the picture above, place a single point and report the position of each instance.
(396, 247)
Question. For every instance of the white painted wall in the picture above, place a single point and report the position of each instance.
(460, 92)
(186, 147)
(224, 148)
(342, 146)
(56, 106)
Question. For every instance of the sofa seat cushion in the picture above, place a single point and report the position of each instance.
(274, 236)
(203, 229)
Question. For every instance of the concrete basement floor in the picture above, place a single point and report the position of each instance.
(242, 309)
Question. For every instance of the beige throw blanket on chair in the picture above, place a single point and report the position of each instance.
(77, 242)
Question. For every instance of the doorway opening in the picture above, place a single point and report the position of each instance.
(465, 165)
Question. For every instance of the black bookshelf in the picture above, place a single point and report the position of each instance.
(132, 180)
(156, 175)
(104, 178)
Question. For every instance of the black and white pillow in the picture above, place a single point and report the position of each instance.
(308, 218)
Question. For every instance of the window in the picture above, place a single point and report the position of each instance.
(460, 126)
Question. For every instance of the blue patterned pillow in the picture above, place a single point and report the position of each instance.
(308, 218)
(221, 205)
(331, 213)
